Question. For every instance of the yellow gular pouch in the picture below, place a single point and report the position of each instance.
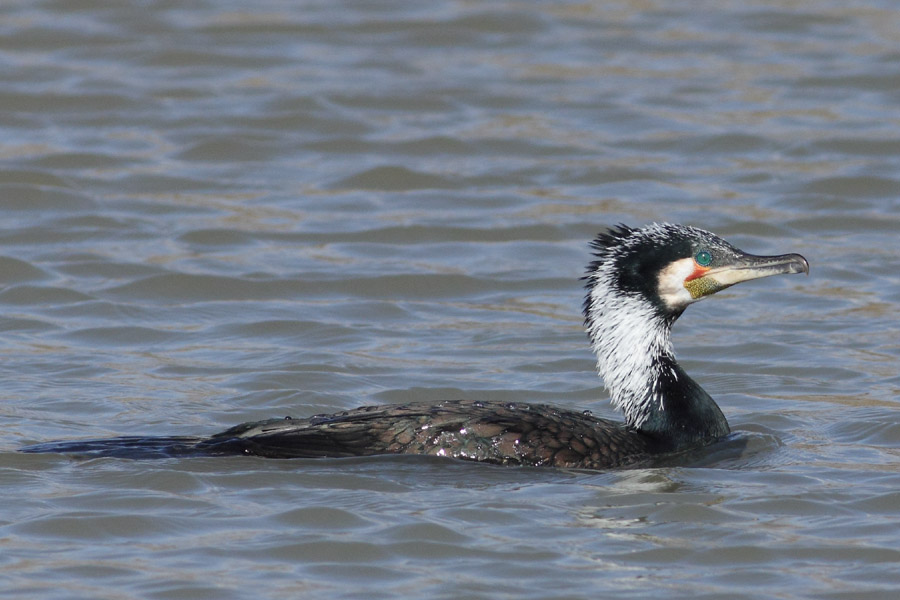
(702, 286)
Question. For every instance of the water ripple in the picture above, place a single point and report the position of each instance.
(220, 212)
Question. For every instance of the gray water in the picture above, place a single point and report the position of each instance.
(215, 212)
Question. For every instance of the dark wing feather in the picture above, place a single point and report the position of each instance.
(499, 433)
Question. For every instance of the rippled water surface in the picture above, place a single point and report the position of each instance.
(215, 212)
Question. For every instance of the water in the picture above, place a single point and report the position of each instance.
(215, 212)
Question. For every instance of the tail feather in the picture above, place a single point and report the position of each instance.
(125, 447)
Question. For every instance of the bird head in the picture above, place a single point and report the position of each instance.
(672, 266)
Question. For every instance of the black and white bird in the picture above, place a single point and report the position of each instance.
(639, 283)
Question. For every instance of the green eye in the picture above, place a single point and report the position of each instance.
(703, 258)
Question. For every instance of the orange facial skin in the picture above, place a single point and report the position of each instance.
(699, 271)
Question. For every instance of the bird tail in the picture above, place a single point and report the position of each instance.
(129, 447)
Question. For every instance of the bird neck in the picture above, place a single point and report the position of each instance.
(677, 411)
(636, 361)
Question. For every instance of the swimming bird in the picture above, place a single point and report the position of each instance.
(639, 283)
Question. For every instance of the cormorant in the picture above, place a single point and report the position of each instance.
(639, 283)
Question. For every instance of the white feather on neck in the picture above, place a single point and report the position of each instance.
(629, 338)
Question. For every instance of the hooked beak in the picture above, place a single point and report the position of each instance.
(744, 267)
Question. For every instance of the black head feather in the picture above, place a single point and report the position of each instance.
(631, 259)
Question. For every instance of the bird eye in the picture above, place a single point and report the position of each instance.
(703, 258)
